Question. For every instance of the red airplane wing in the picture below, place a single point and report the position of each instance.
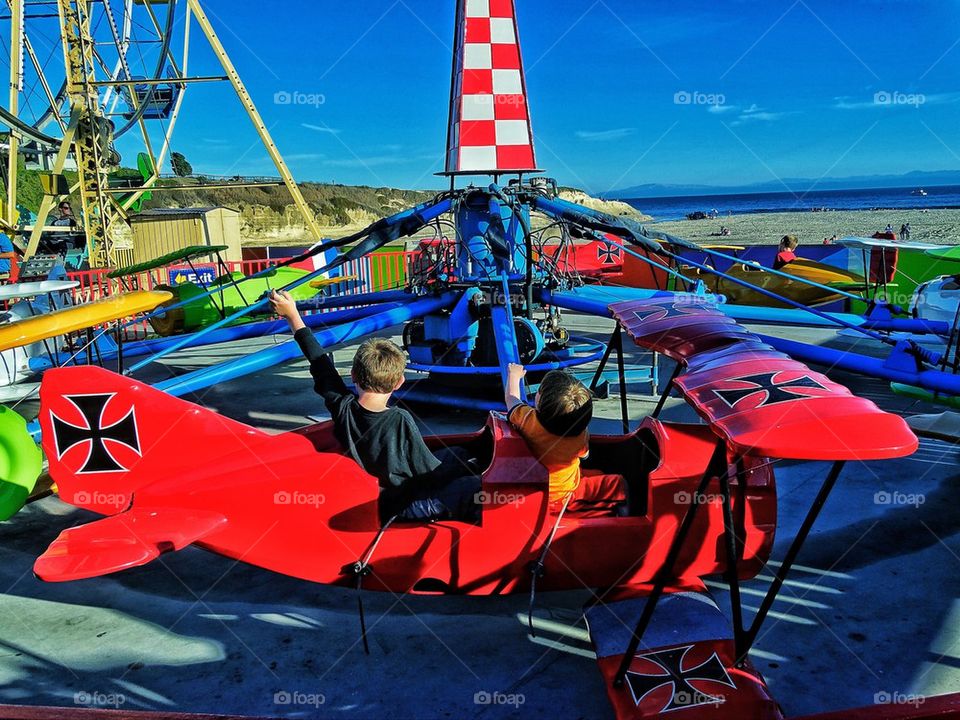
(686, 660)
(757, 399)
(123, 541)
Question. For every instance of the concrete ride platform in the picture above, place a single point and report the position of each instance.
(871, 614)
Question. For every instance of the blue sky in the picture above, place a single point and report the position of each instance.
(622, 92)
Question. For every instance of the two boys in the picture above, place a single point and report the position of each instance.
(414, 483)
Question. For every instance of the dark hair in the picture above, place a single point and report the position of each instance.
(378, 366)
(790, 241)
(564, 405)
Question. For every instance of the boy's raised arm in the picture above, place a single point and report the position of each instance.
(285, 306)
(326, 380)
(511, 394)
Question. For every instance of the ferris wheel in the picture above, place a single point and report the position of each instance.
(84, 74)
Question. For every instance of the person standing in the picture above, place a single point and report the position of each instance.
(7, 256)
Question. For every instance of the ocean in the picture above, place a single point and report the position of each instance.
(677, 208)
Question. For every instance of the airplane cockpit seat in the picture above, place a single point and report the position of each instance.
(634, 457)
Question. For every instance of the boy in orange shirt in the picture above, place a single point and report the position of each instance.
(556, 433)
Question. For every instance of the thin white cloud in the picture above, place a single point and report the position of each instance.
(605, 135)
(845, 103)
(720, 109)
(321, 128)
(755, 113)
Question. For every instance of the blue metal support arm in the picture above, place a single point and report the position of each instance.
(229, 334)
(506, 335)
(674, 240)
(593, 299)
(384, 231)
(268, 357)
(590, 300)
(901, 369)
(633, 232)
(585, 217)
(405, 219)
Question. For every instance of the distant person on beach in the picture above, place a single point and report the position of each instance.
(903, 233)
(830, 240)
(785, 254)
(906, 233)
(724, 231)
(889, 229)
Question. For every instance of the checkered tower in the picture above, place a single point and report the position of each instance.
(490, 131)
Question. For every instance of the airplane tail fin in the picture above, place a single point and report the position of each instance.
(489, 130)
(20, 463)
(105, 436)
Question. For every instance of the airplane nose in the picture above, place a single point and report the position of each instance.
(21, 462)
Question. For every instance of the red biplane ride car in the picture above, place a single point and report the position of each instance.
(296, 504)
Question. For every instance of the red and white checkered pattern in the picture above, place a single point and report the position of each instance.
(490, 128)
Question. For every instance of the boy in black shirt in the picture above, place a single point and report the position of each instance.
(414, 483)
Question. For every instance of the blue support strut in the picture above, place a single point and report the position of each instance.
(223, 335)
(379, 319)
(506, 335)
(933, 380)
(268, 357)
(385, 230)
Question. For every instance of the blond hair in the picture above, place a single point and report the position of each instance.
(564, 405)
(378, 366)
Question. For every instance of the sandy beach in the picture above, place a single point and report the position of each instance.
(933, 226)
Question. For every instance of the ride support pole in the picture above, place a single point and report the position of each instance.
(794, 550)
(718, 466)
